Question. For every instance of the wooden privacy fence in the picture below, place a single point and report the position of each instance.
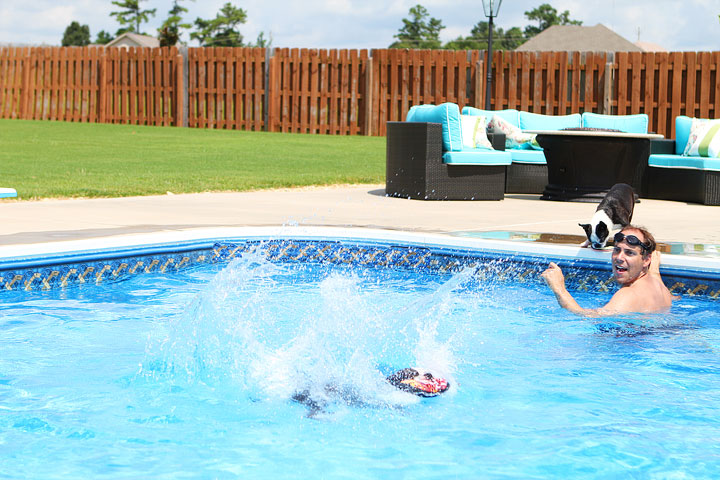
(91, 85)
(318, 91)
(342, 92)
(226, 88)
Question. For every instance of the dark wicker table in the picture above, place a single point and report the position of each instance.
(584, 163)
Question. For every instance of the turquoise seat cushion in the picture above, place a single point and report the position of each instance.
(625, 123)
(446, 114)
(509, 115)
(477, 156)
(679, 161)
(535, 157)
(536, 121)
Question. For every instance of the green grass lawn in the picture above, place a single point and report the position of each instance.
(43, 159)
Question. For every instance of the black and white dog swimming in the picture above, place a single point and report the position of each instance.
(614, 212)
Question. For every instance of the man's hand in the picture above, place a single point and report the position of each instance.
(655, 264)
(554, 277)
(654, 271)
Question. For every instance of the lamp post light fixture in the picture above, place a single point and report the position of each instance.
(491, 9)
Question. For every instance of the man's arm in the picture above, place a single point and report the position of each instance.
(555, 279)
(553, 276)
(655, 271)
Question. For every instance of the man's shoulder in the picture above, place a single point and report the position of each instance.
(627, 299)
(645, 295)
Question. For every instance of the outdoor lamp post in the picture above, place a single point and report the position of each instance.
(491, 9)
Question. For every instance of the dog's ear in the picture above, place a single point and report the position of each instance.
(587, 227)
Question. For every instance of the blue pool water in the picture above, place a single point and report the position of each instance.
(190, 375)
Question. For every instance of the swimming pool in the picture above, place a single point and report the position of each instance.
(187, 370)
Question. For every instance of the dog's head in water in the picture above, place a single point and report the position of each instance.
(418, 382)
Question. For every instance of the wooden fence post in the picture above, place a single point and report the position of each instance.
(270, 91)
(179, 109)
(479, 84)
(607, 89)
(25, 96)
(102, 88)
(186, 86)
(369, 78)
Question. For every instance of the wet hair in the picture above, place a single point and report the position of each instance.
(649, 239)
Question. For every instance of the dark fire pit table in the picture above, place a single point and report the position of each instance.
(584, 163)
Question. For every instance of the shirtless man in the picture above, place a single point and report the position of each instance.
(636, 267)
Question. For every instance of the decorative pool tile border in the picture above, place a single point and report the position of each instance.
(580, 275)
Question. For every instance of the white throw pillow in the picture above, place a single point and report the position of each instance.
(473, 132)
(514, 136)
(704, 138)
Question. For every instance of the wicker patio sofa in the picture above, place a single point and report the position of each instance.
(674, 176)
(426, 159)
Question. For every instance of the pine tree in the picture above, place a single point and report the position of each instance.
(169, 32)
(478, 39)
(221, 31)
(103, 38)
(76, 35)
(131, 15)
(417, 32)
(547, 16)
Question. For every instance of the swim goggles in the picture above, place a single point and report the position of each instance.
(631, 240)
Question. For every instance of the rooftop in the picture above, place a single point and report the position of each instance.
(130, 39)
(577, 38)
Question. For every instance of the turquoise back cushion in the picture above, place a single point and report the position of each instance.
(509, 115)
(682, 132)
(446, 114)
(417, 109)
(536, 121)
(625, 123)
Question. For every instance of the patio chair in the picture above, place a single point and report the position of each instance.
(426, 158)
(674, 174)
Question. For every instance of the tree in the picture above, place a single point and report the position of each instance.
(263, 42)
(76, 35)
(221, 31)
(103, 38)
(169, 32)
(132, 15)
(417, 32)
(547, 16)
(478, 38)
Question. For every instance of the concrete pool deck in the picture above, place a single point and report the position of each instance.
(30, 222)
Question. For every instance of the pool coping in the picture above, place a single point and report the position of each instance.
(117, 246)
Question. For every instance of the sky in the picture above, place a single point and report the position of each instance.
(687, 25)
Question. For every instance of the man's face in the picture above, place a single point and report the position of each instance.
(628, 262)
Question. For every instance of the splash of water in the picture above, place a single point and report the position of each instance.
(268, 331)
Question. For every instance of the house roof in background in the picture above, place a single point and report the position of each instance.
(650, 47)
(130, 39)
(577, 38)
